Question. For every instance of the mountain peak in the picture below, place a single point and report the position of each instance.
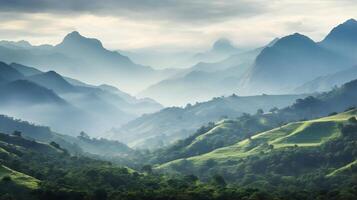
(76, 39)
(53, 74)
(73, 35)
(295, 39)
(223, 44)
(350, 22)
(52, 80)
(342, 39)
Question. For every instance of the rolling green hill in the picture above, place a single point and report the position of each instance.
(302, 135)
(216, 135)
(173, 123)
(18, 178)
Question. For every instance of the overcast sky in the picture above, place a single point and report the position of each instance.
(184, 24)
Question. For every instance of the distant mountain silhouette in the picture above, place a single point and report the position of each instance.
(343, 39)
(326, 83)
(92, 50)
(25, 70)
(15, 45)
(8, 73)
(221, 49)
(84, 58)
(174, 123)
(26, 92)
(290, 62)
(53, 81)
(204, 80)
(51, 99)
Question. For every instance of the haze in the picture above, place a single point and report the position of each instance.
(161, 26)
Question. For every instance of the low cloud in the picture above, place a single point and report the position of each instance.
(173, 10)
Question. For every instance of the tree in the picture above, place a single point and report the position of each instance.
(147, 169)
(274, 109)
(6, 179)
(188, 106)
(191, 178)
(54, 144)
(352, 120)
(260, 111)
(17, 133)
(100, 194)
(83, 135)
(219, 180)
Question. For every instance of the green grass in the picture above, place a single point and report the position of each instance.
(18, 178)
(343, 169)
(3, 151)
(300, 134)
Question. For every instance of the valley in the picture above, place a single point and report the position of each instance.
(175, 100)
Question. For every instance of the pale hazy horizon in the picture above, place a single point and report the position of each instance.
(170, 25)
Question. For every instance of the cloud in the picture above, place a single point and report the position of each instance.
(172, 10)
(178, 24)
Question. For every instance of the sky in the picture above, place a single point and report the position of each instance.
(170, 24)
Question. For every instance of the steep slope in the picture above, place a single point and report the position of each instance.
(227, 132)
(7, 73)
(53, 81)
(25, 70)
(193, 87)
(81, 144)
(216, 135)
(82, 57)
(204, 80)
(221, 49)
(175, 123)
(295, 59)
(326, 83)
(62, 85)
(47, 97)
(342, 39)
(26, 92)
(16, 182)
(300, 136)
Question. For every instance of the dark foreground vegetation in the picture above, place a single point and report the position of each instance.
(277, 175)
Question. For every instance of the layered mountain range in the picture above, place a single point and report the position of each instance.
(48, 98)
(294, 60)
(82, 57)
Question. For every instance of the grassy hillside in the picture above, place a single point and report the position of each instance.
(171, 124)
(17, 178)
(297, 135)
(216, 135)
(350, 168)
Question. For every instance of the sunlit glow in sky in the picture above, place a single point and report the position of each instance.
(168, 24)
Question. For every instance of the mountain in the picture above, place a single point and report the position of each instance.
(47, 98)
(193, 87)
(7, 73)
(15, 45)
(310, 141)
(53, 81)
(171, 124)
(342, 39)
(81, 144)
(204, 80)
(81, 57)
(295, 59)
(25, 70)
(26, 92)
(27, 100)
(71, 89)
(326, 83)
(221, 49)
(229, 131)
(92, 50)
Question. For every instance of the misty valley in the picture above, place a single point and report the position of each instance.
(276, 121)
